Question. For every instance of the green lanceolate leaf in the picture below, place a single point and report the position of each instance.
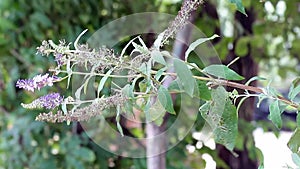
(165, 99)
(197, 43)
(157, 43)
(128, 91)
(64, 108)
(77, 39)
(158, 57)
(227, 129)
(239, 5)
(83, 86)
(118, 120)
(253, 79)
(139, 48)
(185, 76)
(221, 115)
(222, 71)
(294, 91)
(174, 86)
(275, 114)
(102, 81)
(294, 142)
(157, 112)
(127, 45)
(160, 73)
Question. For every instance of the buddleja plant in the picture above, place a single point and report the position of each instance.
(147, 68)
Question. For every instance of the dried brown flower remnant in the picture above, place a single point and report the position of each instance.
(103, 58)
(85, 113)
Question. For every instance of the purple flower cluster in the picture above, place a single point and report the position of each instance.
(49, 101)
(59, 58)
(36, 82)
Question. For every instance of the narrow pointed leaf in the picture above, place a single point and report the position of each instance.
(275, 114)
(197, 43)
(118, 120)
(157, 43)
(185, 76)
(158, 57)
(157, 112)
(165, 99)
(294, 91)
(253, 79)
(127, 45)
(64, 108)
(222, 71)
(103, 80)
(77, 39)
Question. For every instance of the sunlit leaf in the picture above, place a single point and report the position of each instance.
(222, 71)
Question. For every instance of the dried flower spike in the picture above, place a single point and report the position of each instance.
(181, 19)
